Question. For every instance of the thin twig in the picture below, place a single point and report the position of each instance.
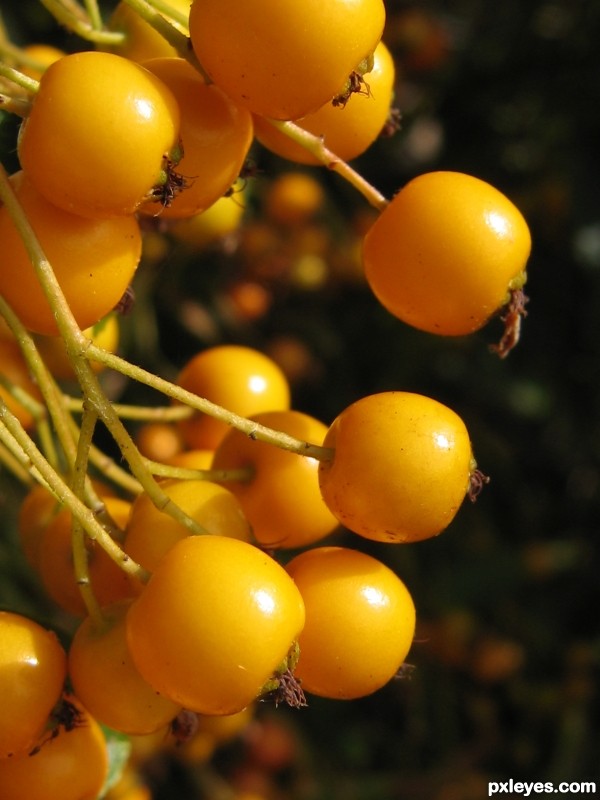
(252, 429)
(66, 496)
(75, 19)
(77, 346)
(78, 543)
(315, 145)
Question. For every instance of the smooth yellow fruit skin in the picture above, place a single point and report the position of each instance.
(94, 260)
(360, 622)
(105, 679)
(281, 58)
(33, 668)
(214, 623)
(281, 500)
(151, 533)
(215, 135)
(73, 765)
(90, 161)
(345, 130)
(445, 253)
(401, 467)
(241, 379)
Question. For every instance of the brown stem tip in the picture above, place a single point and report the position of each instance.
(184, 726)
(392, 124)
(65, 715)
(405, 671)
(514, 312)
(477, 480)
(288, 691)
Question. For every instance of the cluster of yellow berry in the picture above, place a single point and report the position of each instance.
(178, 575)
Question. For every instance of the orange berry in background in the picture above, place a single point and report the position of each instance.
(14, 369)
(446, 253)
(159, 441)
(281, 500)
(401, 467)
(94, 260)
(150, 533)
(33, 669)
(69, 765)
(360, 622)
(211, 732)
(293, 198)
(108, 581)
(294, 357)
(247, 301)
(270, 742)
(348, 130)
(215, 224)
(212, 225)
(240, 379)
(42, 55)
(422, 42)
(225, 728)
(214, 623)
(105, 679)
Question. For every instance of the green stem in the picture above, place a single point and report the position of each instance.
(18, 55)
(46, 384)
(23, 398)
(75, 20)
(155, 19)
(13, 447)
(92, 499)
(252, 429)
(39, 413)
(107, 467)
(139, 413)
(314, 145)
(151, 12)
(65, 429)
(47, 441)
(15, 463)
(74, 8)
(65, 495)
(15, 105)
(167, 10)
(78, 350)
(15, 76)
(137, 464)
(78, 542)
(93, 13)
(241, 475)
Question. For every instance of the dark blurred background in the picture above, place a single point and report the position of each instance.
(507, 653)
